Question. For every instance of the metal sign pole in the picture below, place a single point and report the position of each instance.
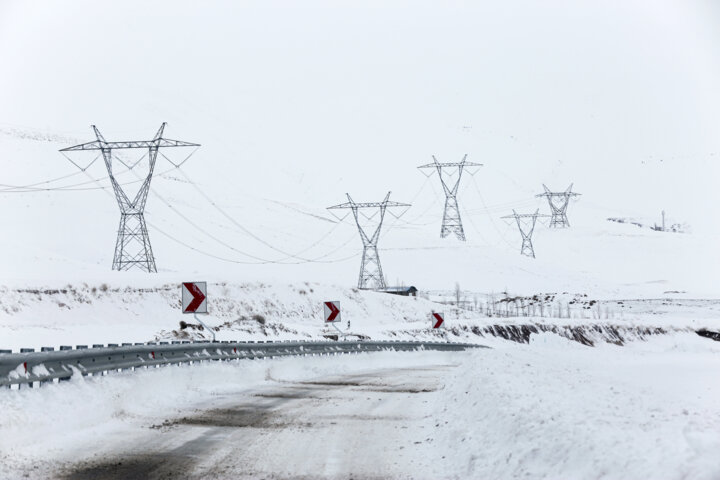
(341, 332)
(194, 300)
(332, 316)
(212, 332)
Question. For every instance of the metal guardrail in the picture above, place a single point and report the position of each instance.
(29, 367)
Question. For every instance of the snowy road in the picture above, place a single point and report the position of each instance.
(552, 409)
(353, 426)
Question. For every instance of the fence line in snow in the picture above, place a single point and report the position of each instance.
(518, 309)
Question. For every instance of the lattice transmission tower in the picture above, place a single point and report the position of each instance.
(371, 274)
(526, 225)
(558, 205)
(132, 248)
(451, 222)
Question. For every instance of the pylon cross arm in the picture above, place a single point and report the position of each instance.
(558, 194)
(525, 215)
(161, 142)
(96, 145)
(452, 164)
(369, 205)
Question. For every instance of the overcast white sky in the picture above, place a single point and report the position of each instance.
(621, 97)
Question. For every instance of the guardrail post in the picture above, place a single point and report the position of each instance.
(99, 345)
(82, 347)
(46, 349)
(26, 350)
(63, 348)
(7, 351)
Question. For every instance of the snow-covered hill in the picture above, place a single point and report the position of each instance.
(354, 103)
(72, 314)
(68, 234)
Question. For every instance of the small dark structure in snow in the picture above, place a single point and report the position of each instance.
(404, 291)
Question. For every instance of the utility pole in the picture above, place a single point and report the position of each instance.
(451, 223)
(663, 218)
(558, 205)
(526, 225)
(132, 248)
(371, 274)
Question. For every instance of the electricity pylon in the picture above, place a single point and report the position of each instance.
(132, 248)
(371, 274)
(451, 223)
(558, 205)
(526, 225)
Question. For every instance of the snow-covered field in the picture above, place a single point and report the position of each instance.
(550, 409)
(559, 410)
(114, 313)
(297, 103)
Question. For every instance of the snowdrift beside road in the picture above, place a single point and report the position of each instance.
(557, 410)
(101, 314)
(116, 313)
(549, 409)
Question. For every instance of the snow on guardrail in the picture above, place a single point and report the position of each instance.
(28, 367)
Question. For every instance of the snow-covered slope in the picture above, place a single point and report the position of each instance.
(551, 409)
(295, 108)
(72, 314)
(68, 234)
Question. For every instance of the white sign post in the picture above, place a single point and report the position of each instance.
(332, 312)
(437, 320)
(194, 300)
(194, 297)
(331, 315)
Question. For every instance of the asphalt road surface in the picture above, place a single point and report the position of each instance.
(364, 426)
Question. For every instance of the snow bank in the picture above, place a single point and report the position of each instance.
(552, 408)
(557, 409)
(101, 313)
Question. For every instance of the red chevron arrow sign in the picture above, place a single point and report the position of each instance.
(194, 297)
(437, 320)
(332, 312)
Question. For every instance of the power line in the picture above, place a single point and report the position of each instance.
(260, 260)
(500, 206)
(32, 188)
(241, 262)
(239, 225)
(492, 220)
(32, 185)
(413, 220)
(477, 230)
(132, 211)
(229, 260)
